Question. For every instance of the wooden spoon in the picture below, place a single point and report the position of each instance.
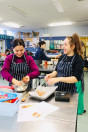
(24, 98)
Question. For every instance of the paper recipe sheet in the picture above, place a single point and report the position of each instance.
(35, 111)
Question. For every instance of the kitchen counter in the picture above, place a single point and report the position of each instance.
(62, 120)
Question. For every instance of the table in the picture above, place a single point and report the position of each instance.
(45, 125)
(46, 68)
(49, 123)
(67, 110)
(52, 56)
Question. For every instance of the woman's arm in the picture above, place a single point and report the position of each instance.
(6, 68)
(71, 79)
(53, 74)
(44, 57)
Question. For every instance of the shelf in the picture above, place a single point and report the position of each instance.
(56, 49)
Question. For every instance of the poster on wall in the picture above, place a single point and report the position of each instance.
(32, 42)
(47, 44)
(35, 42)
(29, 42)
(35, 34)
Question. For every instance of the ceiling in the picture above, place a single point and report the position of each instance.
(40, 13)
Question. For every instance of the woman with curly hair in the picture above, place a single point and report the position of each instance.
(69, 68)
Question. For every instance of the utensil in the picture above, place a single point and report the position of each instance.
(24, 98)
(21, 88)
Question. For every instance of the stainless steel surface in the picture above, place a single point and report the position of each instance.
(44, 125)
(67, 110)
(63, 120)
(46, 68)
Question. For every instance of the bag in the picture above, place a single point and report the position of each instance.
(80, 98)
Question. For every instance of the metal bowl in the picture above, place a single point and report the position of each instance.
(21, 88)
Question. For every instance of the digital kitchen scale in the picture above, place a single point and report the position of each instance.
(62, 96)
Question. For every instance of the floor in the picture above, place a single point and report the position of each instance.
(82, 124)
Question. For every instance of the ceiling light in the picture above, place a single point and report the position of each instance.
(58, 5)
(60, 24)
(12, 24)
(18, 11)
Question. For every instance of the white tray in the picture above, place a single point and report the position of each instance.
(49, 91)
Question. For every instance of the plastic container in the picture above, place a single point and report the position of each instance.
(10, 109)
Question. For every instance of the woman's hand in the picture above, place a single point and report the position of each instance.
(52, 81)
(47, 77)
(58, 56)
(26, 79)
(16, 82)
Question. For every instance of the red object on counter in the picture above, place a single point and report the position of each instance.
(10, 101)
(45, 63)
(9, 87)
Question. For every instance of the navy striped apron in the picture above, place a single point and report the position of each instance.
(64, 69)
(19, 70)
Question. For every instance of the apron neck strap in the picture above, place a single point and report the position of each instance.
(15, 56)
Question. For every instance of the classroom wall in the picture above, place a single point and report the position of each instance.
(8, 43)
(63, 30)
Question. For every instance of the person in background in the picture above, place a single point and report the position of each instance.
(40, 55)
(27, 52)
(0, 55)
(7, 52)
(83, 49)
(84, 53)
(19, 65)
(69, 69)
(61, 53)
(31, 54)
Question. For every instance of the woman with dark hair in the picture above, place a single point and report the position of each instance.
(19, 65)
(40, 55)
(69, 69)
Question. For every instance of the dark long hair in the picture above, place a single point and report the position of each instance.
(41, 43)
(17, 42)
